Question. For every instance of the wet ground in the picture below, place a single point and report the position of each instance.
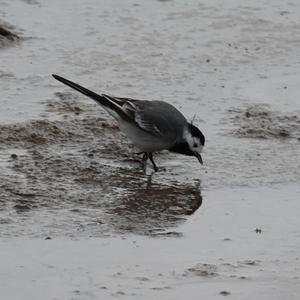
(77, 211)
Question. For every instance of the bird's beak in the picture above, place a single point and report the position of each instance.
(199, 157)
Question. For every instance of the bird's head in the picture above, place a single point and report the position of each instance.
(195, 140)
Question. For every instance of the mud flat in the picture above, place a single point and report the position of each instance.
(80, 219)
(258, 121)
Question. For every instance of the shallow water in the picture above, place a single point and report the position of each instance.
(69, 175)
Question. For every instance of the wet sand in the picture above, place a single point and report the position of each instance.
(79, 217)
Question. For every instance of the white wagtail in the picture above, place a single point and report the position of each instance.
(151, 125)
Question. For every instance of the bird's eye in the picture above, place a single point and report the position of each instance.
(195, 145)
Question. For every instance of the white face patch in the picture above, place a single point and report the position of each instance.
(193, 141)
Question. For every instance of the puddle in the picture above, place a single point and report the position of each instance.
(99, 199)
(81, 171)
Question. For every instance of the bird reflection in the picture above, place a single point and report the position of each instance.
(152, 208)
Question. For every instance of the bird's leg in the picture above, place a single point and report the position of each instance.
(153, 163)
(145, 157)
(144, 160)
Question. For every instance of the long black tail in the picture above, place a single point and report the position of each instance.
(106, 103)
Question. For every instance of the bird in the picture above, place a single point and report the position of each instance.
(151, 126)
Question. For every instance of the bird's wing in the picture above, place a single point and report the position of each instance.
(159, 118)
(147, 124)
(136, 111)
